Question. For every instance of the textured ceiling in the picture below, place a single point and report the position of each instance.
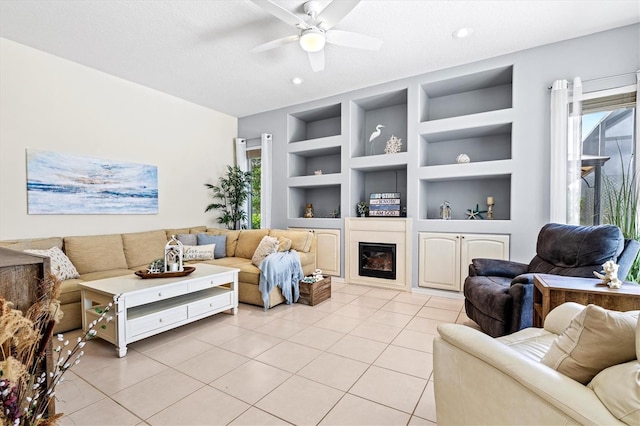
(199, 50)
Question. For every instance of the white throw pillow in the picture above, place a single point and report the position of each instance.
(268, 245)
(618, 387)
(203, 252)
(61, 266)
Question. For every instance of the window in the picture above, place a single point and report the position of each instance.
(255, 167)
(608, 155)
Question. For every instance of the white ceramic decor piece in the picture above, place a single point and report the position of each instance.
(463, 158)
(610, 277)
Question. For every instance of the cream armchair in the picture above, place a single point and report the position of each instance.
(482, 380)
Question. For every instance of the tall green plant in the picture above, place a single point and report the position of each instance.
(621, 206)
(232, 193)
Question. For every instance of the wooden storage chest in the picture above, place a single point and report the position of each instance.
(314, 293)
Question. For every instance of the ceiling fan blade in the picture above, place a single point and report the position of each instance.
(281, 13)
(275, 43)
(335, 11)
(316, 59)
(349, 39)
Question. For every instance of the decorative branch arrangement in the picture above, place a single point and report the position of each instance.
(26, 387)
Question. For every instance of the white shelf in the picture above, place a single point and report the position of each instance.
(316, 222)
(478, 226)
(464, 123)
(315, 147)
(380, 162)
(315, 181)
(466, 170)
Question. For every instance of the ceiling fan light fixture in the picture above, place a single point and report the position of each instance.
(462, 32)
(312, 40)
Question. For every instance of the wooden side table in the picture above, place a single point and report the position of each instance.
(550, 291)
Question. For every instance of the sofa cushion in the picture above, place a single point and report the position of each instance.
(300, 240)
(248, 242)
(202, 252)
(33, 243)
(142, 248)
(60, 264)
(110, 273)
(596, 338)
(96, 253)
(532, 343)
(191, 230)
(232, 238)
(70, 291)
(219, 240)
(618, 388)
(268, 245)
(187, 239)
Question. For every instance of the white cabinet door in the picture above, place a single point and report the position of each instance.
(327, 250)
(481, 246)
(439, 261)
(445, 258)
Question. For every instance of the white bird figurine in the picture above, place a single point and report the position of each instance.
(375, 135)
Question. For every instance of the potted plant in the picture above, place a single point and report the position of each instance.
(232, 193)
(621, 199)
(362, 208)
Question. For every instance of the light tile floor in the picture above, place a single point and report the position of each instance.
(364, 357)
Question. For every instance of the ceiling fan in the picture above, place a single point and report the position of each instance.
(317, 30)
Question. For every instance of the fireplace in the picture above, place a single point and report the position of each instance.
(377, 260)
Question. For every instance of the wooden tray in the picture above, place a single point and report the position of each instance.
(145, 274)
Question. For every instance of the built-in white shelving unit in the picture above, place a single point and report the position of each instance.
(436, 121)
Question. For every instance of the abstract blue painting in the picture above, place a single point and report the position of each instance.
(72, 184)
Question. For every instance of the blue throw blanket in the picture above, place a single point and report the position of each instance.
(282, 269)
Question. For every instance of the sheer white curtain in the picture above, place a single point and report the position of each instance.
(241, 154)
(566, 152)
(265, 181)
(558, 167)
(637, 150)
(574, 154)
(243, 164)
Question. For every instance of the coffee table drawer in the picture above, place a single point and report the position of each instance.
(154, 295)
(210, 304)
(209, 282)
(156, 320)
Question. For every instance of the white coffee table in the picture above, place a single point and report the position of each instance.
(145, 307)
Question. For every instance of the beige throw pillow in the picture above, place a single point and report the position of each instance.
(284, 244)
(595, 339)
(203, 252)
(61, 266)
(268, 245)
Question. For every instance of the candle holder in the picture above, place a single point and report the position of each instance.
(490, 204)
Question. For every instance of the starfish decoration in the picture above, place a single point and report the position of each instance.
(475, 213)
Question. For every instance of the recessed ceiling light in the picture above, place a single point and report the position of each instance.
(462, 32)
(296, 80)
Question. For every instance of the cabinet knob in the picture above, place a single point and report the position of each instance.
(160, 319)
(159, 294)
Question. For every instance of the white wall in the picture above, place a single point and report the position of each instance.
(49, 103)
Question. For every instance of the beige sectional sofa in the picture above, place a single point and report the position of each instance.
(111, 255)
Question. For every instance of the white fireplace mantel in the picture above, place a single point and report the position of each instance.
(379, 230)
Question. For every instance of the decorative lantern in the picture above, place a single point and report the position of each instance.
(445, 211)
(173, 253)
